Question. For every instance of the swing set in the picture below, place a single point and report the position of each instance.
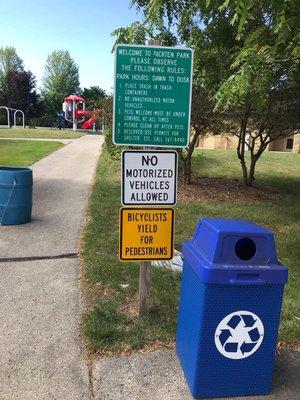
(15, 112)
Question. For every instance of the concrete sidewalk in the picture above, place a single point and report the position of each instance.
(158, 376)
(40, 300)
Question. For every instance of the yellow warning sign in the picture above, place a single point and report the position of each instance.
(146, 234)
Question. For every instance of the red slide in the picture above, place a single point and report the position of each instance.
(82, 113)
(93, 117)
(89, 123)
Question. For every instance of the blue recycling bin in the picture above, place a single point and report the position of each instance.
(229, 311)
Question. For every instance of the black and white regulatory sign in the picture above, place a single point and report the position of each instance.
(149, 177)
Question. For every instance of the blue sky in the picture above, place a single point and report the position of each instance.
(37, 27)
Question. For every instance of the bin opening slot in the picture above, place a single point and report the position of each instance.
(245, 249)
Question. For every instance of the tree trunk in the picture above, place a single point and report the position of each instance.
(248, 176)
(251, 177)
(187, 170)
(244, 170)
(241, 145)
(187, 160)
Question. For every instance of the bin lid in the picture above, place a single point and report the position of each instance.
(20, 175)
(234, 251)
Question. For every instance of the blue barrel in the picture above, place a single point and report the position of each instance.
(15, 195)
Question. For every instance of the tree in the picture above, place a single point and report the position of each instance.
(202, 118)
(246, 57)
(17, 86)
(107, 106)
(136, 33)
(9, 61)
(139, 33)
(94, 96)
(20, 93)
(264, 114)
(61, 78)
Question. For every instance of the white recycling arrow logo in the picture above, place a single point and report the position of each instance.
(239, 335)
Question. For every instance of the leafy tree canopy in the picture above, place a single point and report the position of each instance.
(141, 33)
(240, 33)
(94, 96)
(61, 78)
(246, 58)
(20, 93)
(9, 61)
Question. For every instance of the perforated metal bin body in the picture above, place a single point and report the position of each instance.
(229, 309)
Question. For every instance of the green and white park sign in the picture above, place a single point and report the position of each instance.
(152, 102)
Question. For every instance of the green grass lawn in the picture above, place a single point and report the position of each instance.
(111, 287)
(41, 133)
(21, 153)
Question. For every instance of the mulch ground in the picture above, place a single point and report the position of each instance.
(221, 189)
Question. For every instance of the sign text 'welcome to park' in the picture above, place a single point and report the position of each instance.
(152, 96)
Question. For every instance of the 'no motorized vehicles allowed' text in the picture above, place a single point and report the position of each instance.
(149, 177)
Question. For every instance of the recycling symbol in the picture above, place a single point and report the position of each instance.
(239, 334)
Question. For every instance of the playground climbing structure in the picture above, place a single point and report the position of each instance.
(74, 111)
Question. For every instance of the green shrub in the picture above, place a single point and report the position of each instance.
(114, 151)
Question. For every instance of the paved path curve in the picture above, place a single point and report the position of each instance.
(40, 300)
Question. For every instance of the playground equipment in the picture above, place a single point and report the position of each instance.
(15, 111)
(93, 118)
(73, 111)
(71, 105)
